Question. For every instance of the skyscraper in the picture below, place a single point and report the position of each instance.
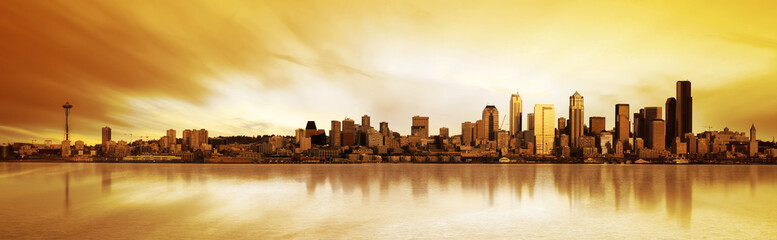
(671, 120)
(656, 140)
(349, 132)
(420, 126)
(530, 121)
(544, 128)
(467, 133)
(491, 122)
(650, 114)
(622, 125)
(753, 146)
(576, 116)
(480, 133)
(366, 121)
(334, 134)
(562, 125)
(516, 113)
(186, 135)
(171, 137)
(106, 135)
(310, 129)
(597, 125)
(684, 108)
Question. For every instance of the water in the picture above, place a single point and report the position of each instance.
(386, 201)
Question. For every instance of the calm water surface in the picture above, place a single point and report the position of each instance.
(386, 201)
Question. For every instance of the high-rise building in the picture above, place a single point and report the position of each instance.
(622, 125)
(576, 116)
(544, 128)
(480, 132)
(171, 137)
(530, 121)
(334, 134)
(349, 132)
(684, 108)
(384, 129)
(467, 133)
(516, 113)
(444, 132)
(650, 114)
(366, 121)
(310, 129)
(420, 127)
(106, 135)
(671, 120)
(491, 122)
(656, 140)
(597, 125)
(203, 136)
(187, 136)
(562, 125)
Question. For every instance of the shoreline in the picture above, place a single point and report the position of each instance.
(349, 163)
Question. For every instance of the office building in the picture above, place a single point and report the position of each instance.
(480, 133)
(671, 120)
(597, 125)
(467, 133)
(562, 125)
(444, 132)
(491, 122)
(366, 121)
(106, 135)
(530, 121)
(622, 125)
(650, 114)
(657, 133)
(335, 134)
(576, 116)
(384, 129)
(684, 108)
(544, 129)
(420, 127)
(171, 137)
(349, 133)
(516, 113)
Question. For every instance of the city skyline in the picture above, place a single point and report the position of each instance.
(236, 72)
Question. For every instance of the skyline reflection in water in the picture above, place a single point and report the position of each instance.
(82, 200)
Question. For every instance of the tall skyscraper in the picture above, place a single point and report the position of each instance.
(597, 125)
(467, 133)
(684, 108)
(544, 128)
(171, 137)
(186, 135)
(657, 134)
(650, 114)
(622, 125)
(310, 129)
(420, 126)
(562, 125)
(671, 120)
(106, 135)
(576, 116)
(366, 121)
(203, 136)
(334, 134)
(349, 132)
(516, 114)
(491, 122)
(530, 121)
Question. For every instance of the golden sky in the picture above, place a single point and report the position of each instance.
(264, 67)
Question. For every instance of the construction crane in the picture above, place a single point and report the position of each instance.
(709, 128)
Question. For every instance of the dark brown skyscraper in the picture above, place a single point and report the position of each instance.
(671, 120)
(107, 135)
(684, 108)
(650, 114)
(622, 126)
(596, 124)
